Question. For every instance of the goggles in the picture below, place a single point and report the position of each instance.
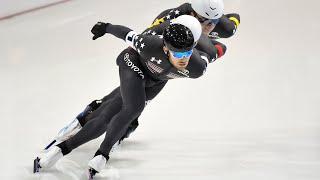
(180, 55)
(204, 20)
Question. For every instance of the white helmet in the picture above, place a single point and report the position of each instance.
(191, 23)
(210, 9)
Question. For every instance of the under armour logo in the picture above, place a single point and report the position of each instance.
(153, 59)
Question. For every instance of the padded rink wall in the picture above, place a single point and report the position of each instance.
(12, 8)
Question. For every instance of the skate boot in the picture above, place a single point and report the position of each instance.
(96, 164)
(65, 133)
(115, 147)
(48, 159)
(75, 126)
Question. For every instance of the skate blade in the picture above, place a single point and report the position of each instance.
(36, 165)
(91, 173)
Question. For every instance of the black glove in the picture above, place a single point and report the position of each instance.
(235, 15)
(99, 29)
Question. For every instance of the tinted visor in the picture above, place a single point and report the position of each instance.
(180, 55)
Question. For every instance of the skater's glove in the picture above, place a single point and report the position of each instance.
(99, 29)
(234, 17)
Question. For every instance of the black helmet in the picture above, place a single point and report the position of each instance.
(178, 38)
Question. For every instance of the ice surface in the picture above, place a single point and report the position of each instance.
(254, 115)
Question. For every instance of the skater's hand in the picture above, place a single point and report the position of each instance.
(236, 16)
(99, 29)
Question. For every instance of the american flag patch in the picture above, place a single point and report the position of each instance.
(174, 76)
(154, 68)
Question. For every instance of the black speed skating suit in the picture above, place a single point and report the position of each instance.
(226, 27)
(205, 44)
(145, 66)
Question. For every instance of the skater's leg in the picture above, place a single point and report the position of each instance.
(95, 108)
(133, 96)
(75, 125)
(90, 112)
(93, 129)
(151, 92)
(105, 101)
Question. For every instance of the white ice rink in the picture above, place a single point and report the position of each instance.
(253, 116)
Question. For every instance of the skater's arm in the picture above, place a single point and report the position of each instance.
(212, 48)
(101, 28)
(171, 13)
(119, 31)
(221, 48)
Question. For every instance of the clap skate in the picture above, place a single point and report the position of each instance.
(91, 173)
(36, 165)
(96, 165)
(74, 126)
(65, 133)
(48, 159)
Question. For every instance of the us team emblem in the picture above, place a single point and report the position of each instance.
(153, 59)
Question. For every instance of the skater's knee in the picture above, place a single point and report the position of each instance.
(133, 110)
(95, 127)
